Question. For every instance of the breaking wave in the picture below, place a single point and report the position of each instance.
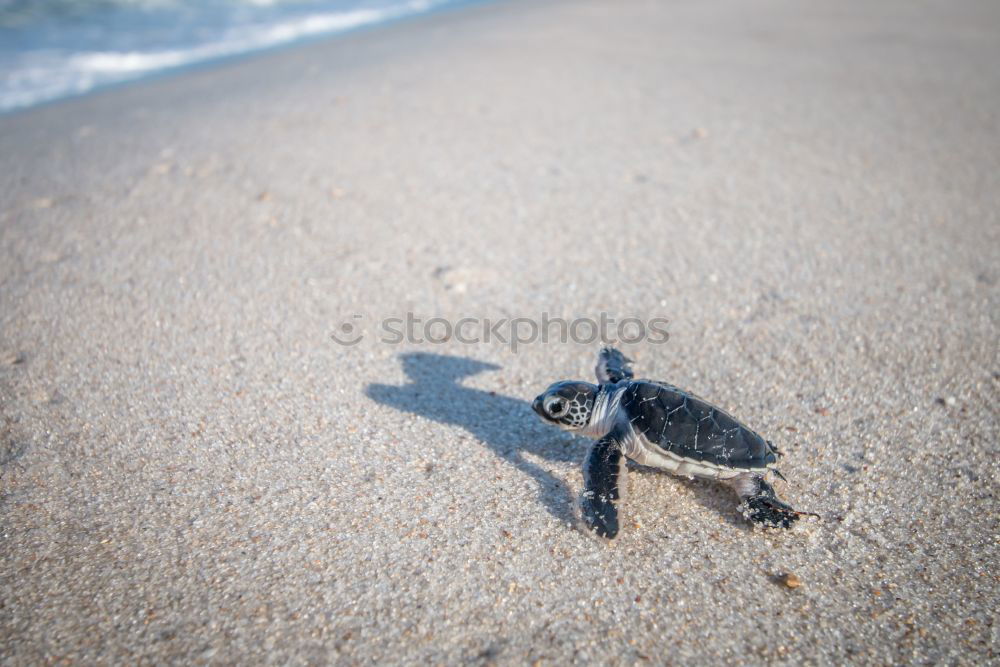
(59, 48)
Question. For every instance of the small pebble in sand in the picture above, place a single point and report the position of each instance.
(699, 133)
(12, 357)
(790, 580)
(264, 196)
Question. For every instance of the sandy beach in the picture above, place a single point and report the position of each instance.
(193, 471)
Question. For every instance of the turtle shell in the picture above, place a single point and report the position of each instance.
(689, 427)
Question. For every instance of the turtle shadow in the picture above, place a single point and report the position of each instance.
(435, 391)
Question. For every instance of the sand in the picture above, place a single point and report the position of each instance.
(193, 470)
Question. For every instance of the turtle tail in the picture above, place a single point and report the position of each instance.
(774, 448)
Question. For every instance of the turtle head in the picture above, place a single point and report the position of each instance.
(568, 405)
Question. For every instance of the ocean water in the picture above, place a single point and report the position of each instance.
(57, 48)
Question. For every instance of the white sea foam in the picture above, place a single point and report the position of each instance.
(31, 76)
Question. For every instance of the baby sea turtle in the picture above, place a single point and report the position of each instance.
(656, 424)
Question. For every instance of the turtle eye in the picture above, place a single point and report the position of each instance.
(557, 408)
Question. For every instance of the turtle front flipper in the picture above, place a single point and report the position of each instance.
(604, 475)
(612, 366)
(760, 503)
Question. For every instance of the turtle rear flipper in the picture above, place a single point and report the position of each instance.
(604, 474)
(769, 512)
(761, 504)
(613, 366)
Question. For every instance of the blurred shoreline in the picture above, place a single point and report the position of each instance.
(51, 51)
